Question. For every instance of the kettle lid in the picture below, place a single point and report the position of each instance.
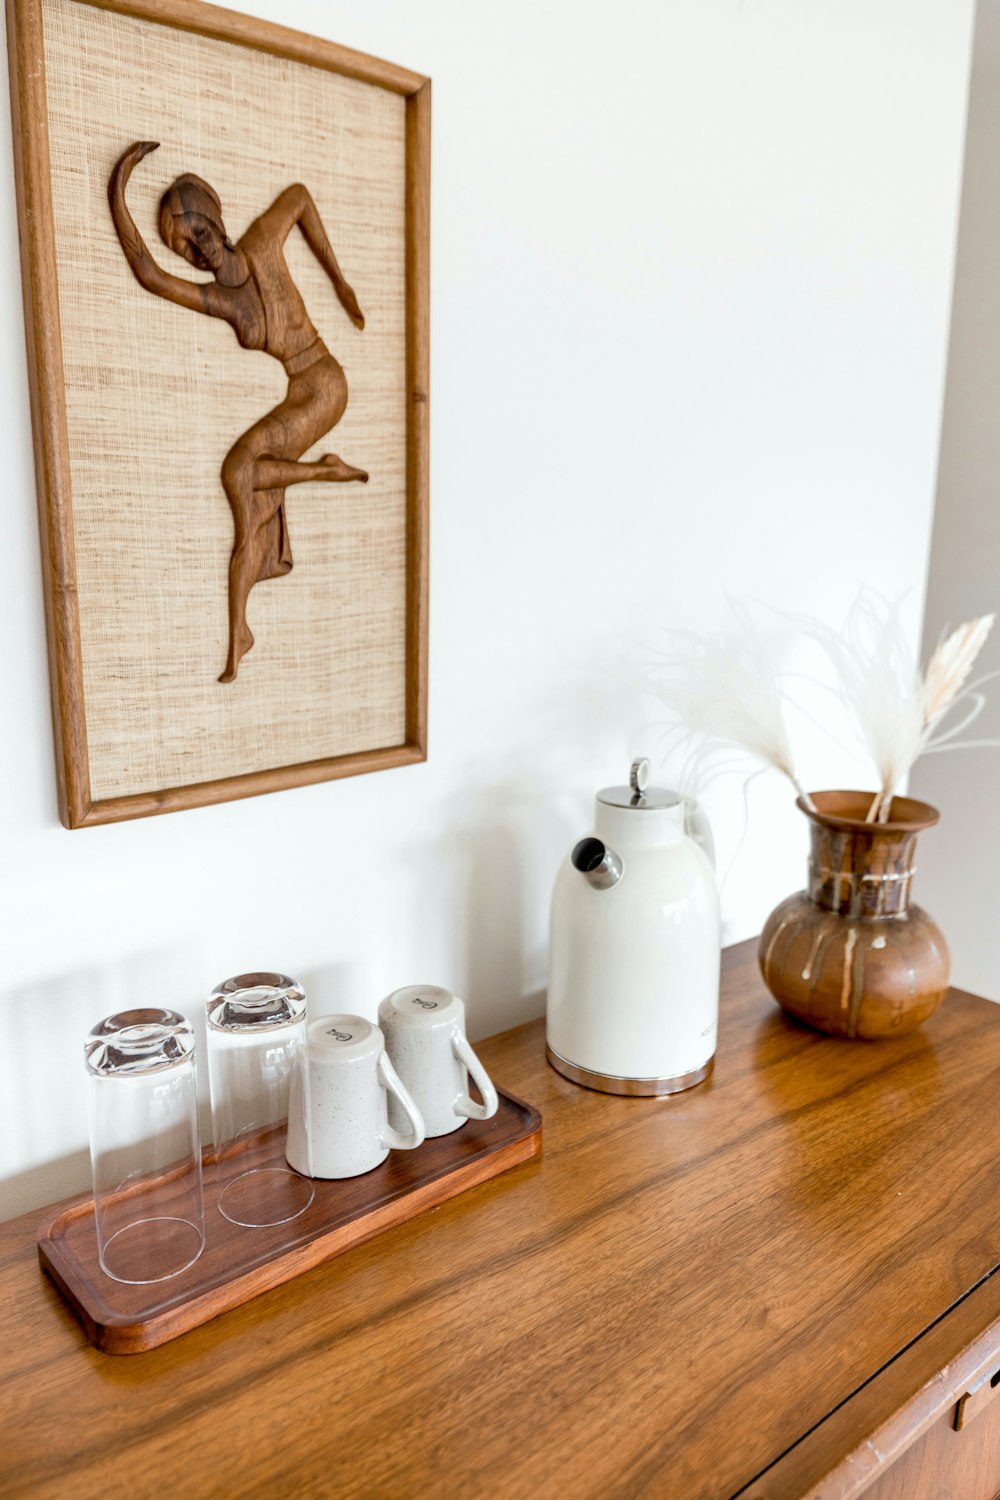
(639, 794)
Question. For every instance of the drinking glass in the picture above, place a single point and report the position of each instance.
(256, 1025)
(144, 1145)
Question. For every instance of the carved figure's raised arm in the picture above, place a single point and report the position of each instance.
(205, 297)
(295, 206)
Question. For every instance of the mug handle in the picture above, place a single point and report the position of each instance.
(393, 1084)
(464, 1105)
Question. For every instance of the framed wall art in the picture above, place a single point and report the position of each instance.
(225, 250)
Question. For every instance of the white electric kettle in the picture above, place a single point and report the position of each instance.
(633, 1001)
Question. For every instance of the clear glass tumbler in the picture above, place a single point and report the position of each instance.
(256, 1024)
(144, 1145)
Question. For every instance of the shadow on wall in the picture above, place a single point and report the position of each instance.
(44, 1103)
(478, 896)
(44, 1153)
(507, 864)
(475, 907)
(469, 910)
(959, 879)
(494, 878)
(337, 988)
(49, 1182)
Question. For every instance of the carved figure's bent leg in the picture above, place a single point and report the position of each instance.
(272, 472)
(314, 404)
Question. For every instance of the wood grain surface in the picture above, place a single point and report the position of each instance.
(249, 31)
(253, 291)
(32, 170)
(46, 383)
(947, 1465)
(238, 1263)
(866, 1440)
(678, 1297)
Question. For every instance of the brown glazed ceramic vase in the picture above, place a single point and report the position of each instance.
(851, 955)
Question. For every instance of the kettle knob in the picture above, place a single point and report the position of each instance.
(638, 776)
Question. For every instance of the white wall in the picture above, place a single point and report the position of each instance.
(960, 864)
(691, 272)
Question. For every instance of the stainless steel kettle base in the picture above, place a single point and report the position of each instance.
(606, 1083)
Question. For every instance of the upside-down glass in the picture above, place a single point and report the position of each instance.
(144, 1145)
(256, 1024)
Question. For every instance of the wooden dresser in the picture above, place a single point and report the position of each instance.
(778, 1285)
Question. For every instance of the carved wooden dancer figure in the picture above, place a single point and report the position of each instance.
(254, 292)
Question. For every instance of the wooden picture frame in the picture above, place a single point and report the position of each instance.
(78, 807)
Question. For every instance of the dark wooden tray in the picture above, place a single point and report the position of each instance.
(238, 1263)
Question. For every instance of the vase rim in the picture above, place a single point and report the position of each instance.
(845, 810)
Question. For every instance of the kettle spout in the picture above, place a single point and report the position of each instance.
(597, 864)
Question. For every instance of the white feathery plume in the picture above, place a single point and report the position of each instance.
(937, 693)
(895, 710)
(878, 683)
(728, 700)
(726, 692)
(940, 690)
(949, 667)
(875, 681)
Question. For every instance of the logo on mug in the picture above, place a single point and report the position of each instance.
(340, 1036)
(427, 1004)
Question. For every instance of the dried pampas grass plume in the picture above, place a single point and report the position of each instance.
(939, 691)
(728, 700)
(724, 693)
(876, 681)
(949, 667)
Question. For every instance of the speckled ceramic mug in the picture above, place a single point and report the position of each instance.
(338, 1123)
(424, 1029)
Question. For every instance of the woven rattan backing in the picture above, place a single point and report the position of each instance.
(156, 395)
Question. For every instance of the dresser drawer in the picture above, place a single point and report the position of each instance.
(950, 1464)
(925, 1427)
